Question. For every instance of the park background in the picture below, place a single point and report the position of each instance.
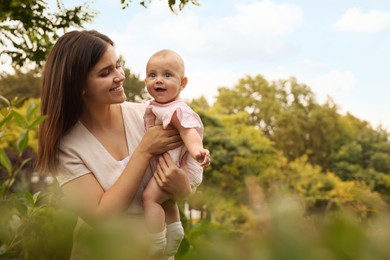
(293, 98)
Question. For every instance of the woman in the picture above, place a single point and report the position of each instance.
(92, 139)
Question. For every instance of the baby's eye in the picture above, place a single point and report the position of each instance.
(152, 75)
(167, 75)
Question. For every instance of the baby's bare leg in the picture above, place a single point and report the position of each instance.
(152, 198)
(172, 213)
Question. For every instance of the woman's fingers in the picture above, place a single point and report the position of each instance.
(171, 178)
(158, 140)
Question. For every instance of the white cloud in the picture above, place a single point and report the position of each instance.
(368, 110)
(332, 83)
(354, 20)
(207, 83)
(300, 69)
(255, 31)
(265, 18)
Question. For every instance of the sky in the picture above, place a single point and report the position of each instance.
(339, 48)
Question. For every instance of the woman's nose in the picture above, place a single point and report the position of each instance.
(120, 76)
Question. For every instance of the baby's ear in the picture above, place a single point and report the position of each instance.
(184, 82)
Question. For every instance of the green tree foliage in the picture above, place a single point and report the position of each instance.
(200, 103)
(175, 6)
(21, 84)
(255, 96)
(19, 123)
(134, 87)
(321, 192)
(288, 114)
(29, 29)
(362, 153)
(237, 151)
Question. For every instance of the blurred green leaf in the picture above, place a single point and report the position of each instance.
(6, 119)
(4, 111)
(24, 162)
(5, 161)
(22, 142)
(31, 109)
(30, 199)
(36, 197)
(19, 119)
(37, 121)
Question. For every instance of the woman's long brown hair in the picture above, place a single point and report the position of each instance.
(64, 78)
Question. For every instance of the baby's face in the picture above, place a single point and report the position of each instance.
(164, 78)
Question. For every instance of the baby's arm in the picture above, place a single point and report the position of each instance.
(193, 142)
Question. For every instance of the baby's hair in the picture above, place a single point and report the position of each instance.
(166, 52)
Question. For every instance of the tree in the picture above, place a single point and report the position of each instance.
(20, 84)
(320, 192)
(29, 29)
(255, 96)
(288, 114)
(200, 103)
(174, 5)
(134, 87)
(237, 151)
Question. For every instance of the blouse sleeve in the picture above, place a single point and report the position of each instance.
(70, 167)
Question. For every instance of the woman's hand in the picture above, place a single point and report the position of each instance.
(171, 178)
(157, 140)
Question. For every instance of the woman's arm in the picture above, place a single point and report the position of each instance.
(88, 197)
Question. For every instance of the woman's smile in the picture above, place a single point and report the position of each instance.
(117, 89)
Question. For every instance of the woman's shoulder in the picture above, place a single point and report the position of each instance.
(132, 105)
(132, 108)
(133, 112)
(76, 138)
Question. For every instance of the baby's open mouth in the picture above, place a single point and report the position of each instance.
(159, 89)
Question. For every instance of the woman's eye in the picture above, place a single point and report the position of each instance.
(105, 73)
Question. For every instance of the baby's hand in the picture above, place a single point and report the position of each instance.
(203, 157)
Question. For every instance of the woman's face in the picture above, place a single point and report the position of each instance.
(105, 80)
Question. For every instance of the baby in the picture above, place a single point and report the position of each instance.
(165, 79)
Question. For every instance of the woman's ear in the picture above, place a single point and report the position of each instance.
(184, 82)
